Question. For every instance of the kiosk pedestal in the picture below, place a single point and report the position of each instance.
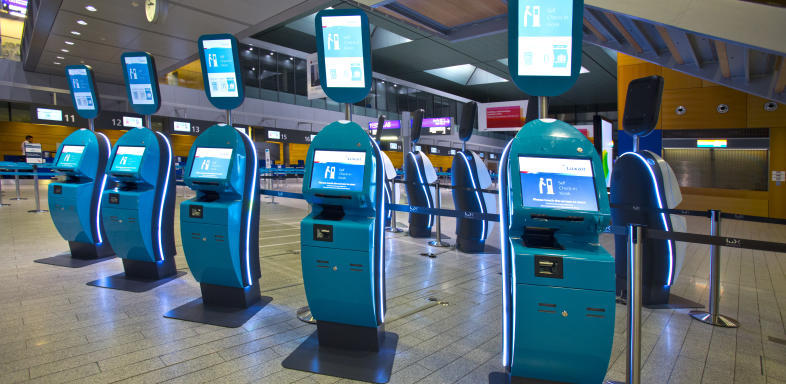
(343, 258)
(75, 203)
(220, 229)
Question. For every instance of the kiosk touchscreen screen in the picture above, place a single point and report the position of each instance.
(343, 46)
(211, 163)
(127, 159)
(557, 183)
(338, 170)
(70, 156)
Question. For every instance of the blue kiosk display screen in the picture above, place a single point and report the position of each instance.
(139, 80)
(343, 46)
(545, 37)
(338, 170)
(127, 159)
(211, 163)
(70, 156)
(556, 183)
(80, 85)
(220, 64)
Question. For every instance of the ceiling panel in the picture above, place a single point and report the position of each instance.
(96, 30)
(85, 50)
(451, 13)
(417, 55)
(248, 12)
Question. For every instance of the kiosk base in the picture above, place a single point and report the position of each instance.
(371, 367)
(675, 302)
(126, 282)
(506, 378)
(345, 336)
(222, 306)
(81, 255)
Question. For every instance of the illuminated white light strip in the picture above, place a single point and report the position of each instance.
(381, 244)
(163, 194)
(503, 246)
(475, 187)
(252, 196)
(101, 194)
(662, 214)
(422, 185)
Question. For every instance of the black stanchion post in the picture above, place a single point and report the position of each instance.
(393, 228)
(635, 251)
(438, 241)
(35, 192)
(16, 181)
(713, 317)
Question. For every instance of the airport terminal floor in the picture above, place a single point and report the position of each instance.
(446, 310)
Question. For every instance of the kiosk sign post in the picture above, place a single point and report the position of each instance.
(139, 70)
(218, 55)
(83, 92)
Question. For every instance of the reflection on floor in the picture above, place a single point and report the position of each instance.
(54, 328)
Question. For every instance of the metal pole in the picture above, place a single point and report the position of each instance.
(635, 143)
(438, 241)
(2, 204)
(393, 224)
(16, 181)
(348, 112)
(149, 122)
(229, 117)
(635, 250)
(91, 125)
(35, 191)
(543, 107)
(713, 317)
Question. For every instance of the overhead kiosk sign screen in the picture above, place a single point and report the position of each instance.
(81, 88)
(220, 64)
(127, 159)
(139, 80)
(342, 39)
(338, 170)
(211, 163)
(545, 39)
(557, 183)
(70, 156)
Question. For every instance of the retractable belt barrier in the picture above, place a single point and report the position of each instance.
(686, 212)
(494, 191)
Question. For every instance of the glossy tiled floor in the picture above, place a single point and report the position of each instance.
(54, 328)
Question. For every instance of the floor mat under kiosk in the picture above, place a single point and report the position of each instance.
(65, 260)
(123, 283)
(229, 317)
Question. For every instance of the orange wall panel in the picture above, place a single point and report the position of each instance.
(759, 118)
(701, 105)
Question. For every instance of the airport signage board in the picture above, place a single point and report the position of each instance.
(119, 120)
(221, 70)
(178, 126)
(544, 44)
(139, 71)
(56, 115)
(344, 54)
(502, 116)
(83, 90)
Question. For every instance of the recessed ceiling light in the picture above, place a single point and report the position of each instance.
(81, 22)
(291, 58)
(271, 53)
(253, 68)
(69, 42)
(91, 8)
(55, 63)
(61, 58)
(64, 50)
(76, 33)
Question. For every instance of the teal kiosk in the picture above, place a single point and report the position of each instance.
(219, 227)
(75, 199)
(558, 297)
(342, 239)
(138, 213)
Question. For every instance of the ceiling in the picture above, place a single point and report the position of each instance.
(428, 49)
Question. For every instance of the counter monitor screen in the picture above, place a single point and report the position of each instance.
(211, 163)
(274, 135)
(342, 39)
(557, 183)
(220, 64)
(338, 170)
(545, 39)
(70, 156)
(127, 159)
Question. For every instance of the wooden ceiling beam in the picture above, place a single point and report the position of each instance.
(595, 31)
(723, 58)
(624, 31)
(780, 82)
(675, 53)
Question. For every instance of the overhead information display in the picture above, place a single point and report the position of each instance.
(221, 70)
(70, 156)
(141, 83)
(557, 183)
(127, 159)
(344, 54)
(83, 94)
(544, 37)
(211, 163)
(338, 170)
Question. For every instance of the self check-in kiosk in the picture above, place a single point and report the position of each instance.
(558, 282)
(419, 177)
(75, 199)
(469, 176)
(642, 186)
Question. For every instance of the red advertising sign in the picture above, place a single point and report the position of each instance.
(504, 117)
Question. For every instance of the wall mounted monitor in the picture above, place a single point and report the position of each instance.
(127, 159)
(70, 156)
(452, 151)
(338, 170)
(139, 70)
(83, 90)
(544, 44)
(434, 150)
(417, 148)
(211, 163)
(49, 114)
(182, 126)
(344, 53)
(220, 70)
(393, 146)
(274, 135)
(132, 122)
(558, 183)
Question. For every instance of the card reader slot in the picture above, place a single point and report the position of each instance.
(540, 216)
(543, 238)
(204, 183)
(333, 196)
